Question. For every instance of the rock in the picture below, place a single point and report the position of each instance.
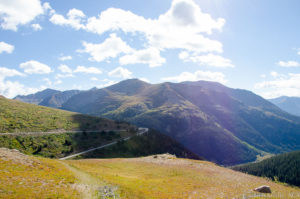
(263, 189)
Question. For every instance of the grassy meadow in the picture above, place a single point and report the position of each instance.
(169, 177)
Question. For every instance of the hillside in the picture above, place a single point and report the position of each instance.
(17, 116)
(224, 125)
(150, 143)
(284, 168)
(288, 104)
(158, 176)
(23, 176)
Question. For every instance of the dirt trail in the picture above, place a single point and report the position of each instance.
(91, 187)
(87, 184)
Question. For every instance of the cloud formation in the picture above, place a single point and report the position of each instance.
(110, 48)
(150, 56)
(198, 75)
(35, 67)
(288, 64)
(74, 19)
(184, 26)
(287, 85)
(120, 72)
(90, 70)
(5, 47)
(208, 60)
(19, 12)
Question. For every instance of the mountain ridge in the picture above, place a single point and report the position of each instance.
(288, 104)
(224, 125)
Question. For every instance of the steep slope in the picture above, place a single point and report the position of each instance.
(18, 116)
(57, 99)
(283, 167)
(224, 125)
(288, 104)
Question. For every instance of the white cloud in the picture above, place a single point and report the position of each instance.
(208, 60)
(110, 48)
(288, 64)
(65, 69)
(107, 83)
(35, 67)
(65, 58)
(120, 72)
(12, 88)
(182, 27)
(150, 56)
(7, 72)
(5, 47)
(36, 27)
(91, 70)
(198, 75)
(287, 85)
(18, 12)
(74, 19)
(94, 79)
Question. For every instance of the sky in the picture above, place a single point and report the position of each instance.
(64, 45)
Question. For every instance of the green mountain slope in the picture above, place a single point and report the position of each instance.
(18, 116)
(224, 125)
(284, 168)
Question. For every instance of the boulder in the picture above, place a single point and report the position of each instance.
(263, 189)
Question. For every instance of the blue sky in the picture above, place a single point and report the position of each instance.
(78, 44)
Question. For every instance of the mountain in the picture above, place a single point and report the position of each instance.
(223, 125)
(37, 97)
(57, 99)
(288, 104)
(159, 176)
(48, 97)
(284, 168)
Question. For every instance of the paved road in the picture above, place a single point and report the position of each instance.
(141, 131)
(54, 132)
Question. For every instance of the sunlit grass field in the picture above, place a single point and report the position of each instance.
(179, 178)
(35, 178)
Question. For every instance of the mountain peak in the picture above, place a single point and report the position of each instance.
(129, 86)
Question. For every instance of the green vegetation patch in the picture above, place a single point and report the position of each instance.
(60, 145)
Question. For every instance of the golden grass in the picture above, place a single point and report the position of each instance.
(178, 178)
(41, 178)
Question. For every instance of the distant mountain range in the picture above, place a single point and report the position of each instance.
(224, 125)
(48, 97)
(288, 104)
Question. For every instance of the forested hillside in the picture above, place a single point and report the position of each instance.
(284, 168)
